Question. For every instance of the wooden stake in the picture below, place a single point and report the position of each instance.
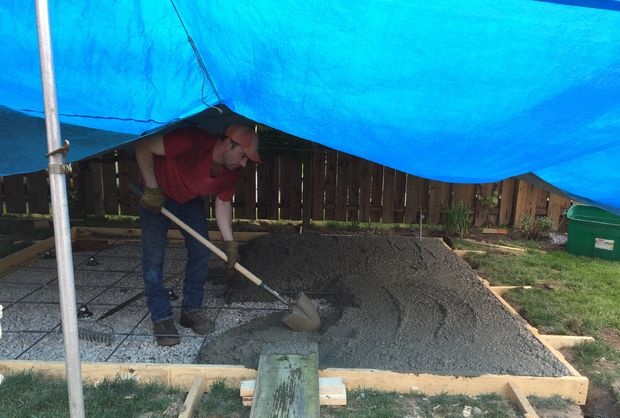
(518, 397)
(193, 398)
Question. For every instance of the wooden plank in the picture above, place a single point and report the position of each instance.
(507, 202)
(318, 184)
(15, 194)
(500, 290)
(439, 200)
(376, 192)
(411, 201)
(295, 187)
(502, 247)
(245, 194)
(306, 184)
(400, 185)
(332, 391)
(20, 257)
(524, 204)
(286, 187)
(572, 387)
(466, 193)
(564, 341)
(268, 186)
(327, 385)
(461, 253)
(109, 181)
(502, 231)
(331, 170)
(128, 172)
(193, 398)
(339, 399)
(420, 194)
(183, 375)
(387, 212)
(542, 202)
(342, 186)
(353, 206)
(214, 235)
(91, 187)
(38, 193)
(287, 384)
(515, 393)
(554, 211)
(365, 183)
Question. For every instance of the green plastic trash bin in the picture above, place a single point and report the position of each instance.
(593, 232)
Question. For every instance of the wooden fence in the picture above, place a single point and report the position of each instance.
(317, 184)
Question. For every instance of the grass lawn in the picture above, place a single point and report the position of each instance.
(571, 295)
(31, 395)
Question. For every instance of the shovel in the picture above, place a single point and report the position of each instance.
(303, 316)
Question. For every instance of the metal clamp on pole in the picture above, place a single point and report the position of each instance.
(59, 168)
(63, 150)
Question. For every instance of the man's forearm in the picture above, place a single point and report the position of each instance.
(223, 217)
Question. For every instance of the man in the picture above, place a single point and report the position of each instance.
(178, 168)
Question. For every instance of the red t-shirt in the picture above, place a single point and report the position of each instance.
(183, 173)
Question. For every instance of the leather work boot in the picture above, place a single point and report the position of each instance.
(197, 322)
(166, 332)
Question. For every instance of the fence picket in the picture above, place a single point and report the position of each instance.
(15, 194)
(38, 193)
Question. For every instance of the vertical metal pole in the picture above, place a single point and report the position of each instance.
(60, 213)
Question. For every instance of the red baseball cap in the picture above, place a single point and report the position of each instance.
(245, 136)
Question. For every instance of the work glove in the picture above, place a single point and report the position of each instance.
(232, 252)
(152, 199)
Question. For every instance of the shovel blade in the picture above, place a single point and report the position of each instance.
(303, 316)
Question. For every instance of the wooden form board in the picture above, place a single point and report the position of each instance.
(183, 376)
(16, 259)
(179, 375)
(95, 232)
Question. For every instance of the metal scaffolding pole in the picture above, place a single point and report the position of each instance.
(60, 212)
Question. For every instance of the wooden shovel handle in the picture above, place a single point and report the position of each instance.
(221, 254)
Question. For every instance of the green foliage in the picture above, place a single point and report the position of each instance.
(535, 227)
(489, 201)
(457, 219)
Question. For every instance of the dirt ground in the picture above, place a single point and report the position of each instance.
(400, 304)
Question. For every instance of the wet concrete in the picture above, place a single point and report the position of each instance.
(400, 304)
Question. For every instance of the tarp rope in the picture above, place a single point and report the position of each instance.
(201, 63)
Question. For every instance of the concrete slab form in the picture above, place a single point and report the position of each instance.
(574, 386)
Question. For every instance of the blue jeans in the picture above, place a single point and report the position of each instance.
(154, 237)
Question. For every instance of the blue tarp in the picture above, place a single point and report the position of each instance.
(468, 92)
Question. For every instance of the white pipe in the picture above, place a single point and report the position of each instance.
(60, 213)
